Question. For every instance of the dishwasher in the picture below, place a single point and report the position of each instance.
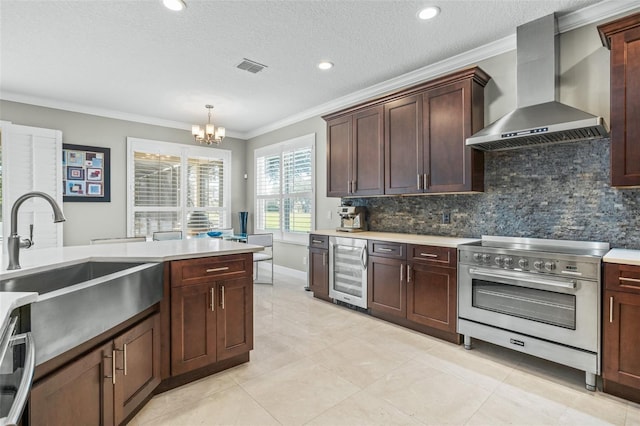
(348, 270)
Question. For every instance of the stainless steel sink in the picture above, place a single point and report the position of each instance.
(79, 302)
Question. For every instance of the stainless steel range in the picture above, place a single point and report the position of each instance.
(537, 296)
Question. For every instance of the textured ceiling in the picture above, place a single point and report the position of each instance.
(139, 59)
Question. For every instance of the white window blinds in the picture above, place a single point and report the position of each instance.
(285, 188)
(32, 161)
(177, 187)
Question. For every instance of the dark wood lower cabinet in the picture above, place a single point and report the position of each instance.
(319, 272)
(387, 292)
(235, 318)
(86, 392)
(78, 394)
(432, 296)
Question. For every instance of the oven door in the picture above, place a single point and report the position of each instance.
(552, 308)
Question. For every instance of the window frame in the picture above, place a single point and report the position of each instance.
(185, 152)
(305, 141)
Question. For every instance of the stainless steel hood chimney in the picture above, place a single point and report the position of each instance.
(539, 117)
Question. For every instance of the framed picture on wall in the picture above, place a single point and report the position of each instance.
(86, 171)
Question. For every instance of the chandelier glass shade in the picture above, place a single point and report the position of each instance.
(208, 134)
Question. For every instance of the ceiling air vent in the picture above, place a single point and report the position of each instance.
(251, 66)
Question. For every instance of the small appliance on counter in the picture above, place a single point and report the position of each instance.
(352, 219)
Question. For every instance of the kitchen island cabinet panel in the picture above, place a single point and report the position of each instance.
(78, 394)
(234, 318)
(623, 38)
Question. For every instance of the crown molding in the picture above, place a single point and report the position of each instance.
(100, 112)
(595, 13)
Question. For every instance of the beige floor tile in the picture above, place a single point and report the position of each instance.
(358, 361)
(299, 392)
(229, 407)
(633, 415)
(178, 398)
(363, 409)
(516, 410)
(429, 395)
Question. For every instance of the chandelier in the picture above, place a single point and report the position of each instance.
(209, 134)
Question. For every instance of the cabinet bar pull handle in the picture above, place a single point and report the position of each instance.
(418, 181)
(384, 249)
(631, 280)
(428, 255)
(113, 366)
(324, 259)
(222, 297)
(611, 309)
(125, 358)
(408, 273)
(426, 181)
(354, 186)
(350, 187)
(224, 268)
(316, 241)
(213, 298)
(401, 269)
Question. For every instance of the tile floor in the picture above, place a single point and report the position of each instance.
(316, 363)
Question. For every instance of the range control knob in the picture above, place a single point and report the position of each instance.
(498, 260)
(508, 262)
(538, 264)
(486, 258)
(549, 266)
(477, 257)
(523, 263)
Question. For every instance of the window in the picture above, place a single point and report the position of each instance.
(174, 187)
(285, 189)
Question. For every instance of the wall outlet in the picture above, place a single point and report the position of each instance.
(304, 260)
(446, 218)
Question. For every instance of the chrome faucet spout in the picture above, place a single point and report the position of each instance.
(14, 242)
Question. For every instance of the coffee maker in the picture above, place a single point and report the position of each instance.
(352, 219)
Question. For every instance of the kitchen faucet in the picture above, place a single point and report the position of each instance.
(15, 243)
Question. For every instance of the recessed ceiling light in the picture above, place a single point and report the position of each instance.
(325, 65)
(429, 12)
(176, 5)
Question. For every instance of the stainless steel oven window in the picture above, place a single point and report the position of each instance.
(548, 307)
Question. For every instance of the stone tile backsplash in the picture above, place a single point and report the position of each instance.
(554, 191)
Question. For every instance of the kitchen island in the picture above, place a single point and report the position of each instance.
(199, 323)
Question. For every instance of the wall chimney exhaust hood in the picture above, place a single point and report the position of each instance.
(539, 117)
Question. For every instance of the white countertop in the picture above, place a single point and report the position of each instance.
(36, 260)
(427, 240)
(624, 256)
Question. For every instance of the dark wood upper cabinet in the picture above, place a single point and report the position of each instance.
(412, 141)
(355, 154)
(403, 145)
(622, 37)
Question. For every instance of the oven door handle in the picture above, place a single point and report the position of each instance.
(554, 283)
(15, 412)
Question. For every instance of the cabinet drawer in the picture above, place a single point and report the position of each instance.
(319, 241)
(622, 278)
(442, 256)
(194, 271)
(387, 249)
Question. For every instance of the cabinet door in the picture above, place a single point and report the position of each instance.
(447, 124)
(79, 394)
(625, 103)
(367, 167)
(138, 363)
(234, 317)
(432, 296)
(403, 146)
(387, 291)
(193, 327)
(621, 332)
(319, 272)
(339, 134)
